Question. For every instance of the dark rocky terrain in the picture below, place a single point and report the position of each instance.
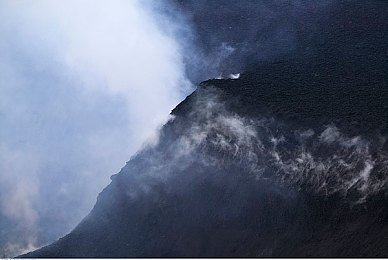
(291, 159)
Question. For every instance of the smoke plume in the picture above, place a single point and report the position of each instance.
(82, 85)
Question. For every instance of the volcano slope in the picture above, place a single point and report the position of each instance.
(228, 177)
(291, 159)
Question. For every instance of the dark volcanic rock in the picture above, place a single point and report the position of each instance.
(289, 160)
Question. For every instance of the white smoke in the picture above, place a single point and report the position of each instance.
(347, 166)
(234, 76)
(82, 85)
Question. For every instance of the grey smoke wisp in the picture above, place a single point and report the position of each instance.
(324, 163)
(230, 36)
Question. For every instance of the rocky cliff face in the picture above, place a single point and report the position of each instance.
(291, 159)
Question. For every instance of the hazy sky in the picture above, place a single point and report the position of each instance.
(82, 85)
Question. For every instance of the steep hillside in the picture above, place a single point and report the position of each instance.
(222, 183)
(233, 176)
(291, 159)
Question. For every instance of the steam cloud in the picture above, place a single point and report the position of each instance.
(82, 85)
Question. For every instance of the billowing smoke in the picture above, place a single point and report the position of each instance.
(82, 85)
